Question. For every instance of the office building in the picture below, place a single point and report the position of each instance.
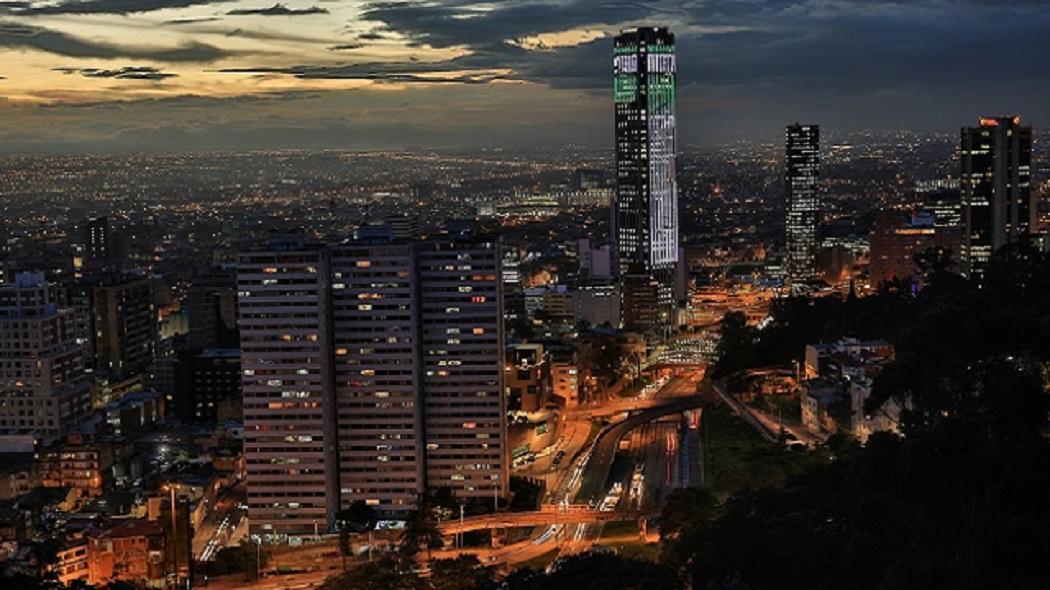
(998, 204)
(377, 362)
(897, 239)
(117, 323)
(45, 391)
(207, 385)
(212, 309)
(645, 210)
(802, 174)
(103, 248)
(595, 262)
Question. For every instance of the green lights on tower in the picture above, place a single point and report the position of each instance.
(625, 88)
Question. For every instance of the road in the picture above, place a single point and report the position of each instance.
(223, 526)
(592, 488)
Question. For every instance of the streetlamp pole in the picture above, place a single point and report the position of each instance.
(174, 535)
(460, 535)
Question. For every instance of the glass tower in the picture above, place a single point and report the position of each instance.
(998, 204)
(645, 210)
(802, 171)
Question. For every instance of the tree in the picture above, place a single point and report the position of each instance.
(685, 507)
(387, 573)
(358, 518)
(421, 532)
(243, 558)
(736, 347)
(596, 571)
(462, 573)
(526, 494)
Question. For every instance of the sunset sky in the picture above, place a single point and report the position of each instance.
(114, 75)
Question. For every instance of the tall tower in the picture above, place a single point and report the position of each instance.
(645, 210)
(998, 204)
(802, 173)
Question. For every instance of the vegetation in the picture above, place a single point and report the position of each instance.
(526, 494)
(738, 458)
(358, 518)
(243, 558)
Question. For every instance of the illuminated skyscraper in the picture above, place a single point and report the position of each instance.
(645, 211)
(802, 171)
(998, 204)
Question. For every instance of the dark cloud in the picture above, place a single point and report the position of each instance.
(192, 21)
(346, 47)
(373, 36)
(22, 36)
(279, 10)
(105, 6)
(125, 73)
(440, 73)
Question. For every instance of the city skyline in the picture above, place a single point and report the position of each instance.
(89, 75)
(452, 295)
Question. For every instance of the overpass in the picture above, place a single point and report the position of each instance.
(614, 407)
(550, 514)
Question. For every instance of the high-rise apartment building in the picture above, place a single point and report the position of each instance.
(212, 306)
(391, 368)
(287, 368)
(462, 349)
(645, 210)
(802, 174)
(999, 206)
(103, 245)
(44, 391)
(118, 323)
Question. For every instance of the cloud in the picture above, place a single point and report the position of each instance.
(192, 20)
(105, 6)
(373, 36)
(279, 10)
(346, 47)
(125, 73)
(22, 36)
(439, 73)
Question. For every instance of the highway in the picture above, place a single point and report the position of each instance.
(592, 488)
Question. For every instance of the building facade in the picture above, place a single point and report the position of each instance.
(286, 367)
(999, 206)
(802, 175)
(645, 210)
(897, 240)
(44, 391)
(397, 363)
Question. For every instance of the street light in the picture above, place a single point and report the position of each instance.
(174, 534)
